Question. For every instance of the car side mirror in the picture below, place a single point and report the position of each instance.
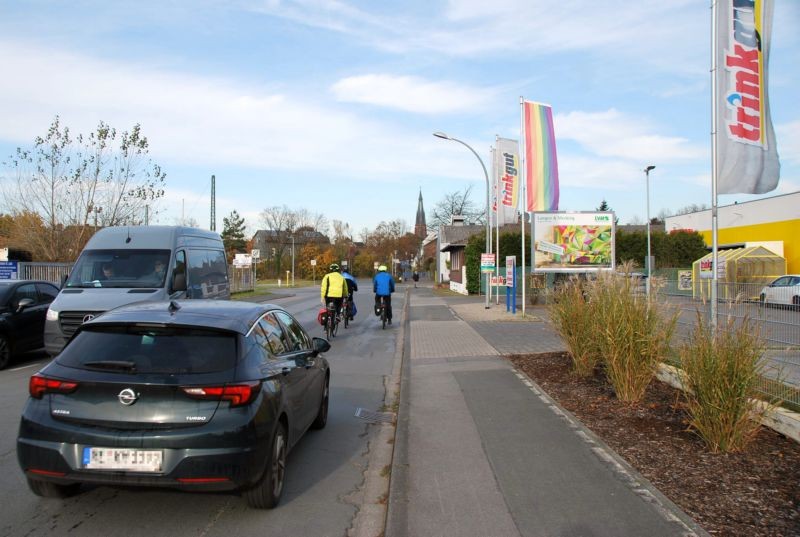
(320, 345)
(179, 282)
(24, 303)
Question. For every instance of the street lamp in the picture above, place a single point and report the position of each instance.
(486, 175)
(649, 260)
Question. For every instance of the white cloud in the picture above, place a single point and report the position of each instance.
(203, 121)
(613, 134)
(410, 93)
(642, 29)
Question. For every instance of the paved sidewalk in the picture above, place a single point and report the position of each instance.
(481, 451)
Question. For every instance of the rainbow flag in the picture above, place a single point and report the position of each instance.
(541, 164)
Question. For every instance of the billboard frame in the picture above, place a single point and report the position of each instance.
(549, 219)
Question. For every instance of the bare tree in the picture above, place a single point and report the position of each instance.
(283, 221)
(314, 221)
(456, 203)
(79, 184)
(341, 232)
(693, 208)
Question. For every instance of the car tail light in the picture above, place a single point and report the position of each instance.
(40, 385)
(202, 480)
(237, 394)
(50, 473)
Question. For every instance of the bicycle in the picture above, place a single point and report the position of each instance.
(346, 311)
(332, 322)
(383, 313)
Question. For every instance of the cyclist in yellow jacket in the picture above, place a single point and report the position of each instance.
(333, 287)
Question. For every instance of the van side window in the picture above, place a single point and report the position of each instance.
(208, 274)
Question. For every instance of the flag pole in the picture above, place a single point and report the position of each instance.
(714, 165)
(496, 219)
(523, 184)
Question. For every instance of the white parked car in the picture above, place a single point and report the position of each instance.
(784, 290)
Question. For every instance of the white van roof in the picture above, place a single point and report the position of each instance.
(152, 237)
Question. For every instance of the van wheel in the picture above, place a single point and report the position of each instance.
(45, 489)
(5, 352)
(267, 492)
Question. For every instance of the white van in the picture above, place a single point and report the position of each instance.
(120, 265)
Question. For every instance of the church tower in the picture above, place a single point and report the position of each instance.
(420, 227)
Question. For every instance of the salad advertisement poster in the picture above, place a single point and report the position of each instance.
(573, 242)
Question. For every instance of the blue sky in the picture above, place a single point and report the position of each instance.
(329, 105)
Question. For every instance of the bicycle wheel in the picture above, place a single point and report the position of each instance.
(329, 323)
(383, 314)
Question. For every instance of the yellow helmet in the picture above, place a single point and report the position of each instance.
(382, 268)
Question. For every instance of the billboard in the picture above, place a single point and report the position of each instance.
(573, 242)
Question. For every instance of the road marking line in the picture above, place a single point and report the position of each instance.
(26, 366)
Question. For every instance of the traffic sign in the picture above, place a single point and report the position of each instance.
(487, 262)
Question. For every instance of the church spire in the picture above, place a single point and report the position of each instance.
(420, 227)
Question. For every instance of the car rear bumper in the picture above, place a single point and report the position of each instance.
(194, 469)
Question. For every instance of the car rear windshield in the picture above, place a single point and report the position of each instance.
(138, 349)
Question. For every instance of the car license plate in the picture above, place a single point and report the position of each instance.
(134, 460)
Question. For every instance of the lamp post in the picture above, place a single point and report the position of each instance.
(648, 261)
(486, 175)
(292, 260)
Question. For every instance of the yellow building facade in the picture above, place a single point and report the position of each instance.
(770, 222)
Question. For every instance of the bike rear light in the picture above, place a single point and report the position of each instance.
(40, 385)
(236, 394)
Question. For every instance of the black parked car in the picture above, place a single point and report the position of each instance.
(196, 394)
(23, 307)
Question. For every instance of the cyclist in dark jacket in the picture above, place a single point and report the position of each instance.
(383, 286)
(352, 287)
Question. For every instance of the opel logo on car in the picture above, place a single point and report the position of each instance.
(88, 317)
(127, 397)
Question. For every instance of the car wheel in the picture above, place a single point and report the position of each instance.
(45, 489)
(267, 492)
(5, 352)
(322, 414)
(762, 300)
(795, 304)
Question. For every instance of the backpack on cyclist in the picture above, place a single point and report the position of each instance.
(322, 316)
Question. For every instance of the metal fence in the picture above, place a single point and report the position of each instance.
(241, 279)
(778, 325)
(51, 272)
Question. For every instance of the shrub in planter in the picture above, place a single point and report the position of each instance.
(633, 333)
(572, 318)
(723, 368)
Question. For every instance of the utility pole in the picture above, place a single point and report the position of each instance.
(213, 203)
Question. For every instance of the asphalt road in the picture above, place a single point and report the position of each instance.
(324, 476)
